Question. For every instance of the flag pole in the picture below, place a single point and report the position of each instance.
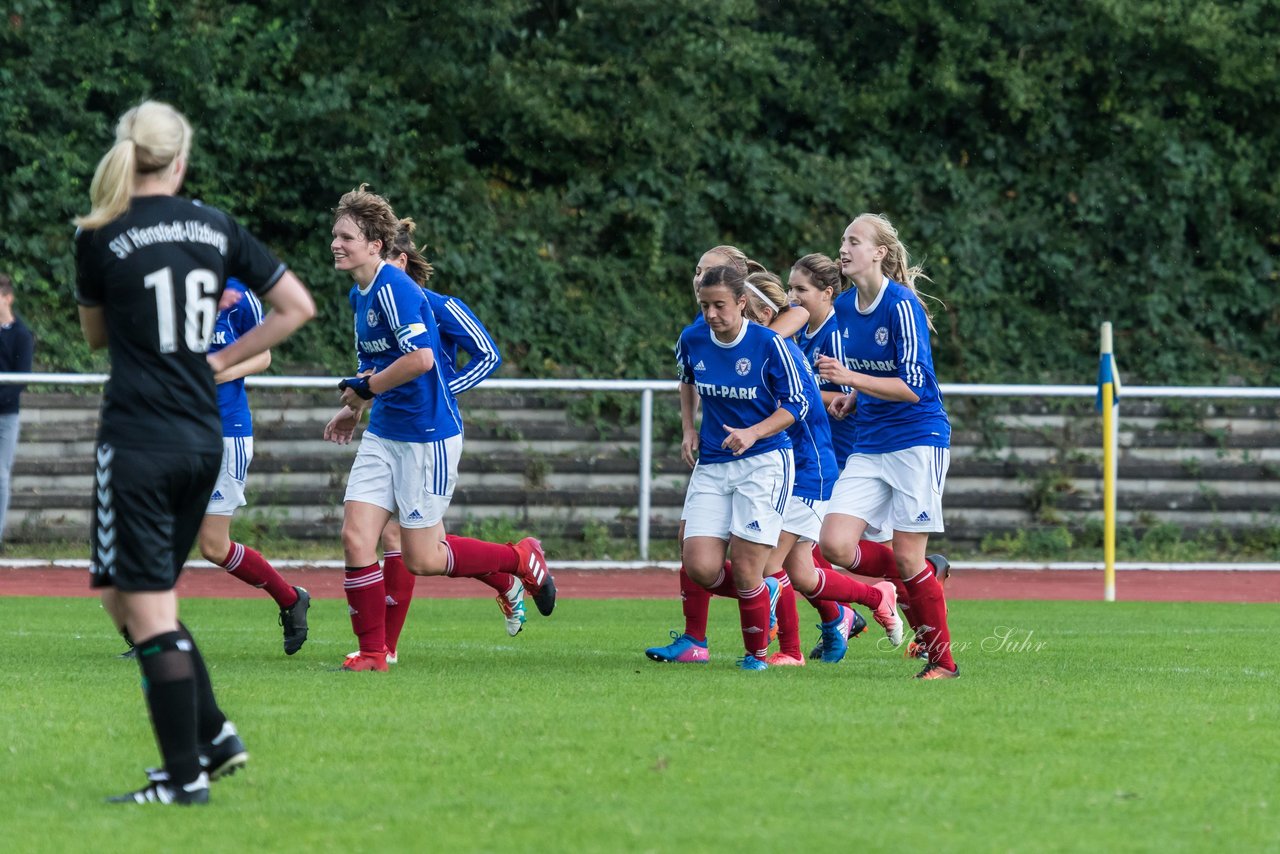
(1107, 389)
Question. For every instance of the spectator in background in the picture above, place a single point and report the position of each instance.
(16, 347)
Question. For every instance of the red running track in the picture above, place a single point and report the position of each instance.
(1082, 585)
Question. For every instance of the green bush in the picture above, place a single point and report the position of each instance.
(1055, 164)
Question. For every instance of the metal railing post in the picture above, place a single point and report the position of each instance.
(646, 469)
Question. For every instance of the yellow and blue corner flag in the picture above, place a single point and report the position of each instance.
(1108, 374)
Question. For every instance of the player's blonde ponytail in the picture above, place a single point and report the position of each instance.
(897, 263)
(150, 138)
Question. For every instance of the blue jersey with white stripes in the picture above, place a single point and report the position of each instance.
(232, 323)
(816, 470)
(741, 383)
(460, 328)
(827, 341)
(891, 339)
(392, 318)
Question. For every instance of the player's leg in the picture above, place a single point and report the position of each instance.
(759, 490)
(754, 597)
(436, 465)
(143, 529)
(364, 584)
(918, 476)
(860, 494)
(786, 619)
(369, 502)
(689, 646)
(400, 584)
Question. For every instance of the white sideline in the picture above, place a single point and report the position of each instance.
(609, 565)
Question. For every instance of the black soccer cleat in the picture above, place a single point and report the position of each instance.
(225, 755)
(131, 652)
(545, 598)
(941, 567)
(160, 791)
(294, 620)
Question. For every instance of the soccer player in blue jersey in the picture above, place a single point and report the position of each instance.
(816, 474)
(460, 330)
(150, 268)
(408, 458)
(690, 646)
(898, 468)
(751, 391)
(242, 314)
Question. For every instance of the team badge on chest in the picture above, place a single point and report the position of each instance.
(882, 336)
(743, 367)
(372, 318)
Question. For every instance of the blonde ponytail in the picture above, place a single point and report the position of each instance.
(152, 137)
(897, 263)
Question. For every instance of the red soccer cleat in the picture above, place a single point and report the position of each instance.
(532, 571)
(782, 659)
(363, 662)
(937, 671)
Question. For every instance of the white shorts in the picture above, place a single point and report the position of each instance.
(228, 493)
(746, 498)
(804, 518)
(415, 479)
(900, 490)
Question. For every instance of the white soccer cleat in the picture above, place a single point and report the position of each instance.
(512, 605)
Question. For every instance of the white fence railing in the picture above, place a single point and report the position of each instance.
(646, 388)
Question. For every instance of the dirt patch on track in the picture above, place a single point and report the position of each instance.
(1082, 585)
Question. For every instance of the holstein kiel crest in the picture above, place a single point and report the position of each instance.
(882, 336)
(743, 367)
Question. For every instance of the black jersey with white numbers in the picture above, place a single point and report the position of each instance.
(157, 272)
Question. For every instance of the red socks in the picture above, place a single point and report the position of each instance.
(929, 605)
(695, 600)
(399, 583)
(367, 604)
(874, 560)
(788, 619)
(835, 586)
(252, 568)
(753, 610)
(470, 558)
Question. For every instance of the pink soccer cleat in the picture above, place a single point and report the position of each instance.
(887, 613)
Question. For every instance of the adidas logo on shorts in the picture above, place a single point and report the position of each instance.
(753, 526)
(923, 517)
(217, 496)
(415, 516)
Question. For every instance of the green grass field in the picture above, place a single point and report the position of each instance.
(1090, 727)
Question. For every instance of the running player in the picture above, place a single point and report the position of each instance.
(461, 330)
(898, 468)
(690, 646)
(751, 391)
(150, 268)
(214, 538)
(815, 283)
(408, 457)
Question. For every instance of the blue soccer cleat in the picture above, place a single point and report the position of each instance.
(682, 650)
(750, 662)
(775, 590)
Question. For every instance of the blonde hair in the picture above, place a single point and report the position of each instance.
(897, 263)
(371, 213)
(152, 137)
(770, 286)
(417, 266)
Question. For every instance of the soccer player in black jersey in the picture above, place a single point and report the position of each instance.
(150, 270)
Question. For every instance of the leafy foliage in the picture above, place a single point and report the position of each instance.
(1056, 165)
